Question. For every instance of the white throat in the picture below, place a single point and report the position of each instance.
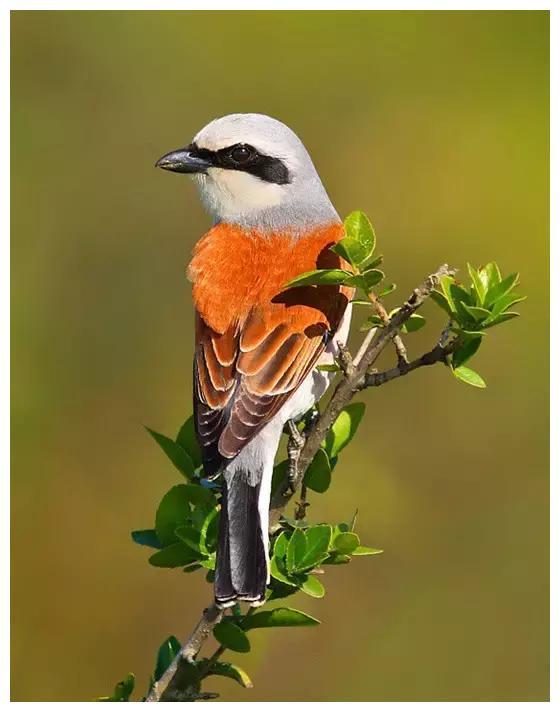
(227, 194)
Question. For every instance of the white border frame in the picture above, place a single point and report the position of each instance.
(553, 6)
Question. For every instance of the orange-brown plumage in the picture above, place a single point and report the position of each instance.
(255, 340)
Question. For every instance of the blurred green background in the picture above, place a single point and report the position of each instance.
(434, 123)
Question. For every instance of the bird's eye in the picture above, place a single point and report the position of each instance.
(241, 153)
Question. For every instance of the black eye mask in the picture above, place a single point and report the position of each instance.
(243, 157)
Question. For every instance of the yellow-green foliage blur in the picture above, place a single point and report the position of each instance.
(435, 124)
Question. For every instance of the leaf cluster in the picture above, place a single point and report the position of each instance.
(186, 520)
(184, 536)
(473, 309)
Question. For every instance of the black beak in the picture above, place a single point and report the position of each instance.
(184, 160)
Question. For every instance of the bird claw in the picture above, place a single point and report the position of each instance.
(296, 441)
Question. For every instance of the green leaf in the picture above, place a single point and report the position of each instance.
(466, 351)
(445, 283)
(277, 563)
(492, 275)
(318, 475)
(328, 367)
(467, 375)
(359, 228)
(336, 559)
(501, 289)
(166, 654)
(234, 672)
(189, 536)
(173, 511)
(505, 302)
(387, 290)
(442, 302)
(320, 276)
(461, 331)
(346, 543)
(279, 618)
(276, 571)
(371, 277)
(346, 248)
(198, 515)
(198, 495)
(281, 545)
(336, 530)
(174, 555)
(413, 323)
(313, 587)
(296, 550)
(460, 296)
(316, 547)
(344, 428)
(186, 438)
(192, 567)
(463, 316)
(372, 322)
(207, 535)
(478, 284)
(146, 537)
(122, 691)
(365, 281)
(175, 453)
(506, 316)
(366, 551)
(478, 313)
(231, 636)
(374, 262)
(351, 250)
(361, 302)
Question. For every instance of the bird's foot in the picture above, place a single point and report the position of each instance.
(296, 441)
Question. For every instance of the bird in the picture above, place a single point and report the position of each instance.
(257, 341)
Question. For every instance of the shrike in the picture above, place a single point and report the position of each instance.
(257, 343)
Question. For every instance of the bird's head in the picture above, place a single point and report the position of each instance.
(254, 171)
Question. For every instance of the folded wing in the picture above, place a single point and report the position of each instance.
(244, 375)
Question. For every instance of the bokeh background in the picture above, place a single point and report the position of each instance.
(434, 123)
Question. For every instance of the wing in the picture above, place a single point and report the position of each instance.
(255, 340)
(243, 376)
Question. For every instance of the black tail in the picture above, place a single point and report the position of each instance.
(241, 569)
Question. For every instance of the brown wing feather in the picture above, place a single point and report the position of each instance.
(249, 391)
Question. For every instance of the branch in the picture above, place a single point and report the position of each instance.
(402, 356)
(171, 684)
(357, 375)
(437, 355)
(374, 343)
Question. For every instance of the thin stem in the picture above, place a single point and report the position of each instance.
(302, 504)
(400, 348)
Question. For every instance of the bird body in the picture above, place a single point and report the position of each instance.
(257, 342)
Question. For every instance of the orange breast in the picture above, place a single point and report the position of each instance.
(235, 271)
